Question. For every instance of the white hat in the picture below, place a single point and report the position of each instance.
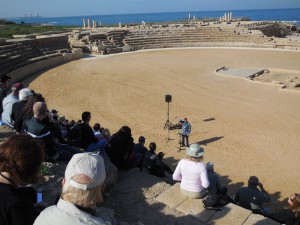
(195, 150)
(24, 93)
(89, 164)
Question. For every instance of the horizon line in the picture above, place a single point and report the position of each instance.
(40, 15)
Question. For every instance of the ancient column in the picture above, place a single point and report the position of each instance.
(89, 23)
(100, 24)
(225, 16)
(230, 16)
(84, 23)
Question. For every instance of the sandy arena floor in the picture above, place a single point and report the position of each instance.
(246, 128)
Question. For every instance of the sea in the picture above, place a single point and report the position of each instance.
(287, 15)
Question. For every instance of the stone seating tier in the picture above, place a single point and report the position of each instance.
(18, 53)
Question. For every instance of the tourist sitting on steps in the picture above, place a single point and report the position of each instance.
(120, 149)
(83, 136)
(38, 127)
(82, 189)
(291, 214)
(192, 174)
(21, 157)
(97, 131)
(154, 162)
(4, 80)
(252, 198)
(7, 105)
(139, 151)
(216, 188)
(18, 108)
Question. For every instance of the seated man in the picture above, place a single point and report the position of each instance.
(7, 104)
(84, 137)
(215, 186)
(97, 131)
(18, 108)
(38, 128)
(251, 197)
(83, 185)
(139, 151)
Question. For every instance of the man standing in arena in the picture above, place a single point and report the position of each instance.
(185, 132)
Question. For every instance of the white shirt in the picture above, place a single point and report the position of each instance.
(65, 213)
(193, 175)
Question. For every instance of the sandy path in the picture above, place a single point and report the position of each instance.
(254, 128)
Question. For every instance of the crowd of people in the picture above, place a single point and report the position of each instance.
(42, 135)
(198, 180)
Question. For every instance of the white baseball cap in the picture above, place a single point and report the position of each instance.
(89, 164)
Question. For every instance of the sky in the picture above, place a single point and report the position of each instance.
(53, 8)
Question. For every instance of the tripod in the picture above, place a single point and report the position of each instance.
(168, 124)
(180, 141)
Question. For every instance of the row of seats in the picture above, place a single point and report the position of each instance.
(15, 54)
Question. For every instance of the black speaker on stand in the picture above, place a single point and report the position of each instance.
(168, 124)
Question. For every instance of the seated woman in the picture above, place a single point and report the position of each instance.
(192, 173)
(290, 215)
(20, 159)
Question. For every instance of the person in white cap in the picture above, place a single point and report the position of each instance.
(83, 185)
(192, 173)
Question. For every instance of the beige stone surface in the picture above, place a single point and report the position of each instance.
(195, 208)
(172, 197)
(259, 219)
(230, 214)
(246, 128)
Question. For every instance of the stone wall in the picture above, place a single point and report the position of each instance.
(27, 71)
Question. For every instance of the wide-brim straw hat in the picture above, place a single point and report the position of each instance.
(195, 150)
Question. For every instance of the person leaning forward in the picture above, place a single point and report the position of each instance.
(251, 197)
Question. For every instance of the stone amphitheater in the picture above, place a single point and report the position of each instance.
(22, 57)
(151, 200)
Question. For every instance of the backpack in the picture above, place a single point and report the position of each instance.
(214, 202)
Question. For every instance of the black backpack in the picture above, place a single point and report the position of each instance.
(214, 202)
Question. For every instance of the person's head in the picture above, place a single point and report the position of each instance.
(125, 130)
(194, 153)
(54, 114)
(152, 146)
(4, 80)
(253, 181)
(86, 117)
(294, 202)
(40, 110)
(28, 108)
(210, 167)
(142, 140)
(106, 133)
(15, 88)
(24, 94)
(185, 119)
(72, 123)
(160, 155)
(21, 156)
(96, 126)
(84, 180)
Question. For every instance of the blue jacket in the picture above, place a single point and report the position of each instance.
(186, 128)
